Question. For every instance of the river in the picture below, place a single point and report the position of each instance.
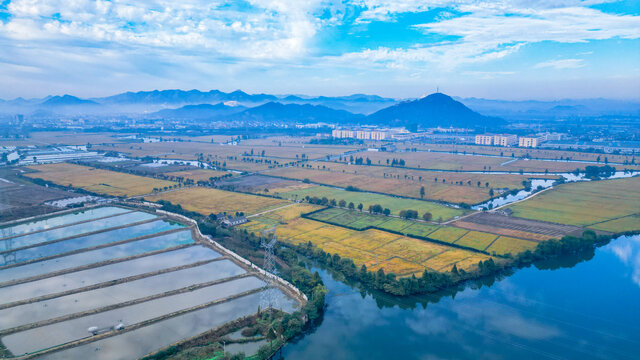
(584, 307)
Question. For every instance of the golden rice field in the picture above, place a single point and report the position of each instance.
(592, 203)
(197, 174)
(97, 180)
(211, 201)
(374, 248)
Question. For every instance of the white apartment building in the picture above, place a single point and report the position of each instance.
(529, 141)
(505, 140)
(484, 139)
(360, 134)
(342, 133)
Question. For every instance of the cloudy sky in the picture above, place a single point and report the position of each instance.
(503, 49)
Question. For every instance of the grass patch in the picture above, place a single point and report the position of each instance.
(477, 240)
(394, 204)
(508, 245)
(448, 234)
(586, 203)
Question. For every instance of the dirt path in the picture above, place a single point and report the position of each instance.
(268, 211)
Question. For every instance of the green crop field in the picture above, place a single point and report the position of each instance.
(591, 203)
(448, 234)
(508, 245)
(477, 240)
(394, 204)
(361, 220)
(631, 222)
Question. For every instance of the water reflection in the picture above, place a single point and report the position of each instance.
(627, 249)
(60, 220)
(574, 307)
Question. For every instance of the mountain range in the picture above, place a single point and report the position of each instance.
(431, 111)
(434, 110)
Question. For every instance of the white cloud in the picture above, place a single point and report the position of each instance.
(272, 29)
(493, 30)
(561, 64)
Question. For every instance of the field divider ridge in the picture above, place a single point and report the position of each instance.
(110, 283)
(101, 246)
(66, 225)
(136, 326)
(444, 243)
(185, 289)
(81, 235)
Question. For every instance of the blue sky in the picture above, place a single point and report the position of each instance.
(504, 49)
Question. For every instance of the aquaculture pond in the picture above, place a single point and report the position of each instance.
(95, 256)
(584, 307)
(143, 280)
(55, 221)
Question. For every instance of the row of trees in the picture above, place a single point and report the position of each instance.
(432, 281)
(373, 209)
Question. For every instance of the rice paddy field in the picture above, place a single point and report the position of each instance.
(97, 180)
(394, 204)
(610, 205)
(434, 190)
(212, 201)
(520, 152)
(375, 248)
(496, 181)
(469, 162)
(192, 150)
(474, 240)
(83, 275)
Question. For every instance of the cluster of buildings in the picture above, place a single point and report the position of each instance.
(509, 140)
(372, 134)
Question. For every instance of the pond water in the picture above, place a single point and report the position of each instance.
(584, 307)
(535, 184)
(544, 184)
(76, 303)
(63, 332)
(142, 341)
(71, 230)
(87, 241)
(94, 256)
(104, 273)
(60, 220)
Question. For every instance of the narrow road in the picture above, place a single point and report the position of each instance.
(268, 211)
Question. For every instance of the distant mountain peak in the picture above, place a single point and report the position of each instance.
(67, 100)
(437, 109)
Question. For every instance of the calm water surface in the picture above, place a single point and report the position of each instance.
(573, 308)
